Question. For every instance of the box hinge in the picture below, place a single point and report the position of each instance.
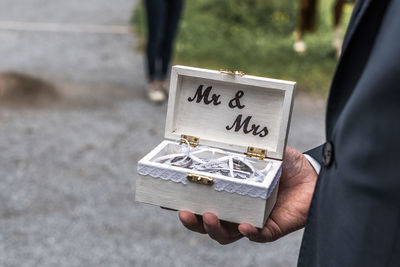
(192, 140)
(200, 179)
(258, 153)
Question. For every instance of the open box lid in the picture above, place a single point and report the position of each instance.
(230, 112)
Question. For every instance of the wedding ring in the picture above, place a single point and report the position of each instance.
(181, 161)
(241, 166)
(227, 165)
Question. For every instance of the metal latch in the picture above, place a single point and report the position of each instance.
(257, 153)
(193, 140)
(200, 179)
(232, 73)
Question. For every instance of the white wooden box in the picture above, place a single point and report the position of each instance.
(242, 115)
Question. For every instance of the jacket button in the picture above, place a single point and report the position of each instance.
(327, 153)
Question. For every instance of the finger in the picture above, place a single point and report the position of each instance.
(213, 227)
(217, 231)
(191, 221)
(271, 231)
(268, 233)
(251, 232)
(248, 229)
(232, 229)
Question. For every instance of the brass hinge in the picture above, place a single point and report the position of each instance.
(258, 153)
(200, 179)
(232, 73)
(193, 140)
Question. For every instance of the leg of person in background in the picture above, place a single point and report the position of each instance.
(337, 31)
(155, 14)
(306, 22)
(173, 15)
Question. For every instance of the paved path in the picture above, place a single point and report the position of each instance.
(67, 168)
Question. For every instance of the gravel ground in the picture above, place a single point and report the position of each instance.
(67, 166)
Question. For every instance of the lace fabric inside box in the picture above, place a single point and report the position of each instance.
(236, 179)
(225, 139)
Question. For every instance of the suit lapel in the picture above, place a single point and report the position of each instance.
(359, 10)
(339, 95)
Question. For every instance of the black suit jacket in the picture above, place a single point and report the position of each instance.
(354, 218)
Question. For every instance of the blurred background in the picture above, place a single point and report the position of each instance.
(75, 119)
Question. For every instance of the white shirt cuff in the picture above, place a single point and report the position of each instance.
(314, 163)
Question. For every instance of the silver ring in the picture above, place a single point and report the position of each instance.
(181, 161)
(241, 166)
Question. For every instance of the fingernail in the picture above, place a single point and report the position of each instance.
(243, 234)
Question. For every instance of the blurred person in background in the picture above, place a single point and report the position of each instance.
(307, 22)
(337, 16)
(162, 22)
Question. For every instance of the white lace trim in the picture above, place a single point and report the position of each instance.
(219, 185)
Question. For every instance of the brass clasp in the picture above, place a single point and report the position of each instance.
(200, 179)
(232, 73)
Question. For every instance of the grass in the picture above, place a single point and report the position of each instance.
(212, 41)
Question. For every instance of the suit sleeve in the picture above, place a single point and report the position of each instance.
(316, 153)
(354, 217)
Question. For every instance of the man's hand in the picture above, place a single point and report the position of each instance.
(296, 188)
